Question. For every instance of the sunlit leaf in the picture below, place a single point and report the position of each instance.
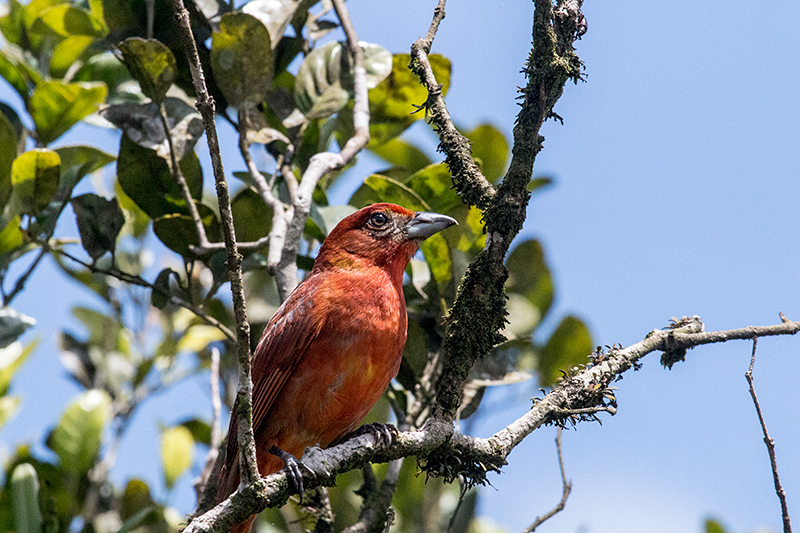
(152, 64)
(13, 243)
(12, 23)
(24, 485)
(434, 184)
(402, 154)
(714, 526)
(177, 451)
(569, 345)
(99, 223)
(14, 75)
(200, 429)
(242, 59)
(66, 20)
(12, 356)
(393, 101)
(12, 325)
(78, 436)
(67, 52)
(437, 254)
(56, 106)
(146, 179)
(490, 147)
(198, 338)
(8, 139)
(8, 408)
(34, 178)
(324, 82)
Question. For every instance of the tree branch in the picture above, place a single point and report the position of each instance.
(205, 104)
(787, 523)
(285, 270)
(449, 454)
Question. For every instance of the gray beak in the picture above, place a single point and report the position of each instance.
(425, 224)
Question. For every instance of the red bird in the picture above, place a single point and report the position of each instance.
(334, 345)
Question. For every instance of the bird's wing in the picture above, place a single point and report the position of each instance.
(284, 342)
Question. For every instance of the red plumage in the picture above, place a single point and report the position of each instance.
(332, 348)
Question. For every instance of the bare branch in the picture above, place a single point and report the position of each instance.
(787, 524)
(205, 104)
(206, 498)
(320, 164)
(437, 441)
(567, 488)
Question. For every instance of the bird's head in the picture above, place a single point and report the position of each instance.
(380, 234)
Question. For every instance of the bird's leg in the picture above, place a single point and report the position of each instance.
(294, 469)
(384, 434)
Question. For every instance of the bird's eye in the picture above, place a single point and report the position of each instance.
(378, 220)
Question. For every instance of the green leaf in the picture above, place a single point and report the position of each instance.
(135, 499)
(136, 220)
(378, 188)
(200, 429)
(523, 317)
(178, 232)
(152, 64)
(8, 407)
(198, 337)
(99, 223)
(714, 526)
(393, 101)
(13, 22)
(402, 154)
(490, 148)
(529, 275)
(142, 124)
(12, 243)
(177, 451)
(78, 436)
(242, 59)
(146, 178)
(8, 139)
(65, 20)
(34, 177)
(324, 82)
(434, 184)
(80, 161)
(14, 75)
(68, 52)
(24, 484)
(569, 345)
(437, 255)
(57, 106)
(12, 325)
(252, 218)
(11, 359)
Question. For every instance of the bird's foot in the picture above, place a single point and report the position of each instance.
(294, 469)
(384, 434)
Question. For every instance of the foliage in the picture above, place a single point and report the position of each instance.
(74, 61)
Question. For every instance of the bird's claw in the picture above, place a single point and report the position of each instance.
(384, 434)
(294, 469)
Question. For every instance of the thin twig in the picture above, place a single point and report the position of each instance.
(787, 524)
(216, 432)
(177, 174)
(141, 282)
(205, 104)
(20, 284)
(567, 488)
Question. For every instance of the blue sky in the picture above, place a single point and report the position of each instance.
(677, 192)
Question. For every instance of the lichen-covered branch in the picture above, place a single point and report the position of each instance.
(205, 104)
(478, 313)
(437, 443)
